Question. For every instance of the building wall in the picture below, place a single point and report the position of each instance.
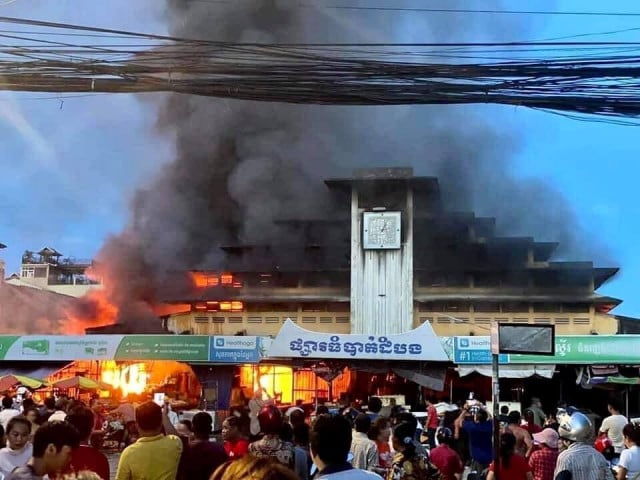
(69, 290)
(444, 323)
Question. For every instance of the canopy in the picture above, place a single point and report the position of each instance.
(509, 371)
(81, 383)
(10, 381)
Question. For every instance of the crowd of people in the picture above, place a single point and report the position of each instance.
(53, 440)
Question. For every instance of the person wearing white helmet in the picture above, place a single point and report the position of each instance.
(580, 461)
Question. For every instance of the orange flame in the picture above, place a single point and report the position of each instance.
(214, 279)
(127, 378)
(98, 313)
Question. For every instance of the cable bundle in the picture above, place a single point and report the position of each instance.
(601, 78)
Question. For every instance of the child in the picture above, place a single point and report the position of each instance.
(18, 450)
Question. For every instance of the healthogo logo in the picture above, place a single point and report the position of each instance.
(236, 343)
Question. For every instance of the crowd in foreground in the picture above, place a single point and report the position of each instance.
(343, 445)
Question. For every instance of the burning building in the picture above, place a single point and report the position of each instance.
(446, 268)
(389, 259)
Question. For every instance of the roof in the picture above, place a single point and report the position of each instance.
(28, 310)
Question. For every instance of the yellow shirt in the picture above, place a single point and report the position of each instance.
(151, 458)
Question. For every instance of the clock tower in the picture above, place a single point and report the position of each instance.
(382, 251)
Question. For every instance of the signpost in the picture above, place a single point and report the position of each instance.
(514, 339)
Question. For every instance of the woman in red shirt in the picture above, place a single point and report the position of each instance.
(235, 442)
(512, 466)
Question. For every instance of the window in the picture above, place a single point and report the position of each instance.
(486, 280)
(28, 272)
(514, 307)
(576, 307)
(547, 307)
(485, 307)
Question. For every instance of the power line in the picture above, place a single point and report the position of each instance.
(445, 10)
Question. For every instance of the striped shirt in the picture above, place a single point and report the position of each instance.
(584, 462)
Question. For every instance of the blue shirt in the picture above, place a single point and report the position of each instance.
(480, 440)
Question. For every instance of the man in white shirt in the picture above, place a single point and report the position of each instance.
(613, 425)
(8, 412)
(365, 451)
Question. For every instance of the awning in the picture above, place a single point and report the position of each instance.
(509, 371)
(419, 344)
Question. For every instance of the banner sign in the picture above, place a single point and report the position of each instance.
(418, 344)
(573, 349)
(181, 348)
(474, 350)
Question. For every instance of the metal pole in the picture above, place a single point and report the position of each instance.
(495, 394)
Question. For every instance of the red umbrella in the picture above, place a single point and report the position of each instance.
(10, 381)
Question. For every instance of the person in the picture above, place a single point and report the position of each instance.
(32, 415)
(381, 434)
(613, 425)
(301, 443)
(629, 464)
(203, 456)
(365, 451)
(52, 447)
(432, 422)
(254, 468)
(8, 412)
(538, 413)
(60, 413)
(154, 455)
(479, 429)
(86, 457)
(47, 409)
(173, 416)
(512, 466)
(407, 464)
(446, 458)
(255, 407)
(543, 460)
(184, 429)
(410, 418)
(373, 408)
(329, 445)
(302, 458)
(524, 444)
(579, 460)
(270, 445)
(18, 450)
(529, 423)
(235, 443)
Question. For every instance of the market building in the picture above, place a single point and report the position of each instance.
(390, 259)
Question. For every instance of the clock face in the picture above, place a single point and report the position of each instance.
(381, 230)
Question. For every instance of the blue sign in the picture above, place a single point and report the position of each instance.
(474, 350)
(240, 349)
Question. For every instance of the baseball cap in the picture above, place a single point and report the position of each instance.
(548, 436)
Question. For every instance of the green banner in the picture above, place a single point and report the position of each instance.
(5, 344)
(589, 349)
(160, 347)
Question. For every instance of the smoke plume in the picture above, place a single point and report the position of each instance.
(239, 166)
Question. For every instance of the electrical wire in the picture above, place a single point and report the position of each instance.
(579, 80)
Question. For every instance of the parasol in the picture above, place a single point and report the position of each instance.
(9, 381)
(81, 383)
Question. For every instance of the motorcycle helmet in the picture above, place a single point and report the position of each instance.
(444, 436)
(576, 428)
(270, 419)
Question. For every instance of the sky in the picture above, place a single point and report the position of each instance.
(69, 168)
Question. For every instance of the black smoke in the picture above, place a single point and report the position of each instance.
(239, 165)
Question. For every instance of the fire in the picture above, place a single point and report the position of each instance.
(128, 379)
(224, 306)
(92, 310)
(215, 279)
